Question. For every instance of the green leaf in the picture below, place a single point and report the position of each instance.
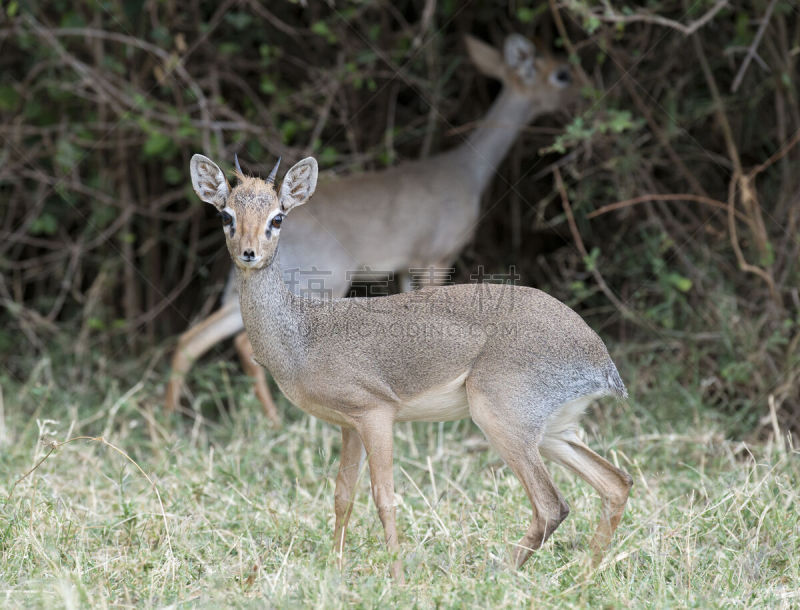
(46, 224)
(366, 57)
(161, 35)
(67, 154)
(102, 216)
(684, 284)
(229, 48)
(527, 14)
(591, 260)
(320, 28)
(68, 196)
(95, 323)
(9, 98)
(172, 175)
(592, 24)
(768, 257)
(328, 156)
(73, 19)
(188, 131)
(620, 120)
(288, 131)
(267, 86)
(744, 34)
(114, 64)
(156, 145)
(240, 21)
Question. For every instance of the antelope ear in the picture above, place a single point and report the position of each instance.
(299, 184)
(486, 58)
(519, 54)
(208, 181)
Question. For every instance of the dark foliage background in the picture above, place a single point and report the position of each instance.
(664, 207)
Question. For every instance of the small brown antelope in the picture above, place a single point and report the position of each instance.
(415, 215)
(520, 363)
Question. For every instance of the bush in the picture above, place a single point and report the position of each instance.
(678, 167)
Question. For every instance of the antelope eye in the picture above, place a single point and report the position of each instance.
(276, 221)
(562, 77)
(226, 218)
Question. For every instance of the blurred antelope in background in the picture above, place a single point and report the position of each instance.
(520, 363)
(418, 214)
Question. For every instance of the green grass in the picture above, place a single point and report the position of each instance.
(248, 511)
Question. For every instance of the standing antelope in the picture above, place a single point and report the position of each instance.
(520, 363)
(417, 214)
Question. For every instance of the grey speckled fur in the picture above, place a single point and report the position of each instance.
(520, 363)
(389, 349)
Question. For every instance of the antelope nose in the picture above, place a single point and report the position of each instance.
(248, 255)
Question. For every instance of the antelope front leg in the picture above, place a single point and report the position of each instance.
(349, 466)
(376, 434)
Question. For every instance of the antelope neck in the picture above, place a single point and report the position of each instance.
(488, 145)
(273, 318)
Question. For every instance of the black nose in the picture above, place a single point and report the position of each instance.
(249, 255)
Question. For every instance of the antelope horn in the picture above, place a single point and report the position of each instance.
(274, 172)
(236, 163)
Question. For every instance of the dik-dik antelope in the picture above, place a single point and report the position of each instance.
(520, 363)
(415, 215)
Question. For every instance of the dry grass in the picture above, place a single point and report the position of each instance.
(248, 514)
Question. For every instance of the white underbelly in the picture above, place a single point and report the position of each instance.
(442, 403)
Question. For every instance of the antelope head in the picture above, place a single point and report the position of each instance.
(546, 80)
(254, 210)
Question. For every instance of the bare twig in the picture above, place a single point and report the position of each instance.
(740, 183)
(751, 51)
(172, 62)
(777, 156)
(631, 87)
(601, 282)
(259, 9)
(562, 32)
(743, 264)
(322, 118)
(610, 16)
(663, 197)
(425, 22)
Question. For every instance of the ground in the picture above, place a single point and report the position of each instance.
(241, 514)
